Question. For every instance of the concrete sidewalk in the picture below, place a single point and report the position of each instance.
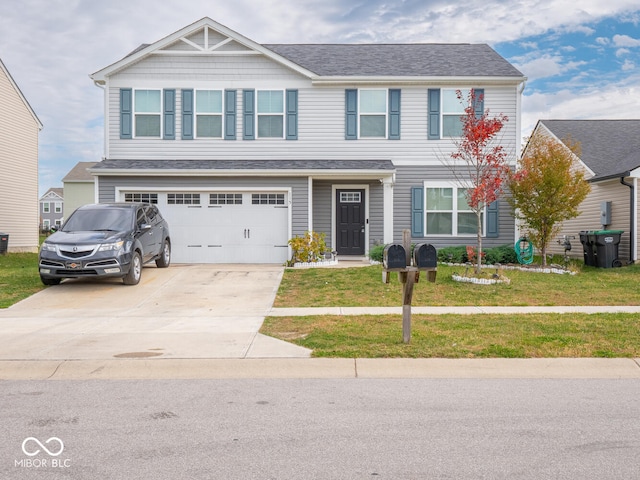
(320, 368)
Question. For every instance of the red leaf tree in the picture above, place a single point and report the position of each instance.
(480, 163)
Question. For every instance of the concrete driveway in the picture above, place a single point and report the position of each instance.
(184, 311)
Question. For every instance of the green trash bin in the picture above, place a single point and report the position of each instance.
(606, 244)
(4, 243)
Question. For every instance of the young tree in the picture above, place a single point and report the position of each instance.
(479, 164)
(547, 189)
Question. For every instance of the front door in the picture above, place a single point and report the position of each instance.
(350, 221)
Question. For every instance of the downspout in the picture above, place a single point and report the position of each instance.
(632, 220)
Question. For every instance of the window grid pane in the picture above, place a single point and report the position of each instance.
(270, 101)
(373, 126)
(225, 199)
(350, 197)
(270, 126)
(209, 126)
(147, 101)
(373, 101)
(183, 199)
(141, 197)
(147, 125)
(267, 199)
(209, 101)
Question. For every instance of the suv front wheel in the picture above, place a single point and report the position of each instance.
(135, 271)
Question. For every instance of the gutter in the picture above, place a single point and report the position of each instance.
(632, 219)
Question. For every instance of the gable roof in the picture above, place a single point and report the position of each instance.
(53, 192)
(610, 148)
(22, 97)
(331, 62)
(80, 173)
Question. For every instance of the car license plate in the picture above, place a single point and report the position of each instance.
(74, 265)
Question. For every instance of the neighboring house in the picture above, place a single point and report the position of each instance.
(244, 146)
(79, 187)
(51, 209)
(19, 128)
(610, 157)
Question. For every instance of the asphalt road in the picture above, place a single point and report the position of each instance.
(320, 429)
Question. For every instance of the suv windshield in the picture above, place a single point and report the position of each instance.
(114, 219)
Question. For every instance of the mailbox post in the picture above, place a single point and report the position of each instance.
(397, 258)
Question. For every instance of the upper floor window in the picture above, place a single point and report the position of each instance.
(372, 112)
(58, 207)
(209, 113)
(270, 113)
(147, 110)
(452, 112)
(46, 208)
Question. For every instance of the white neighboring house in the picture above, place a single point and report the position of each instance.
(244, 146)
(19, 128)
(79, 187)
(51, 209)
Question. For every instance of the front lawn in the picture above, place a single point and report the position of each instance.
(463, 336)
(351, 287)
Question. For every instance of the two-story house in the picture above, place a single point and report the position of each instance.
(244, 146)
(51, 209)
(19, 130)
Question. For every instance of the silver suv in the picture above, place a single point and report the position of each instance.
(106, 240)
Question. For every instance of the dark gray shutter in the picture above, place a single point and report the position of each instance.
(351, 114)
(169, 114)
(230, 107)
(493, 230)
(126, 113)
(417, 211)
(394, 114)
(291, 125)
(478, 107)
(248, 115)
(187, 114)
(434, 114)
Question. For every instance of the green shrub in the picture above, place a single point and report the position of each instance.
(376, 252)
(452, 254)
(502, 254)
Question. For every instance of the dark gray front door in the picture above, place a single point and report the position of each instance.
(350, 221)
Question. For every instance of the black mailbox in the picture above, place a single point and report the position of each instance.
(394, 257)
(425, 256)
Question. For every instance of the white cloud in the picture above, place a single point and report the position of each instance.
(546, 65)
(625, 41)
(628, 65)
(621, 52)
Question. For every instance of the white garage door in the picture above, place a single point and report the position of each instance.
(224, 227)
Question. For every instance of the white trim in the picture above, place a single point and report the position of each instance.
(100, 76)
(319, 174)
(310, 203)
(634, 227)
(338, 186)
(387, 210)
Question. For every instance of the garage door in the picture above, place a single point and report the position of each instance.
(227, 227)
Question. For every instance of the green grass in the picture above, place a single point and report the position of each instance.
(19, 277)
(363, 286)
(463, 336)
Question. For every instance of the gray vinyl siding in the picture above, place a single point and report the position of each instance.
(408, 177)
(589, 218)
(321, 128)
(322, 209)
(298, 185)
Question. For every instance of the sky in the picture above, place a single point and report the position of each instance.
(581, 58)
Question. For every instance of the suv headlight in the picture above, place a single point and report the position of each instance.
(107, 247)
(48, 247)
